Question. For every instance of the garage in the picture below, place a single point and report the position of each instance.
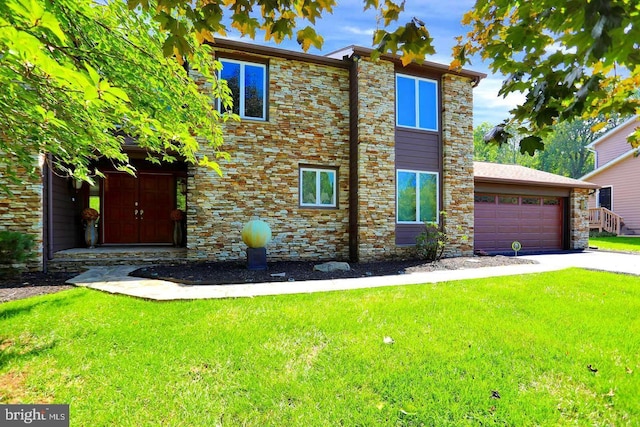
(515, 203)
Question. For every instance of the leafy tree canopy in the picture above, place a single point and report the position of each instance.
(571, 58)
(76, 76)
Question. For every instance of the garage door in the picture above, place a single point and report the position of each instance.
(536, 222)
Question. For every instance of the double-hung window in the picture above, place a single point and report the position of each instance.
(416, 102)
(248, 84)
(417, 196)
(318, 187)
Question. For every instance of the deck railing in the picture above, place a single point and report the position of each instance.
(604, 220)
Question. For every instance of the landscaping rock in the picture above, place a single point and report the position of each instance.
(328, 267)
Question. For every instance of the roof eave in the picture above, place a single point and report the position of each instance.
(489, 180)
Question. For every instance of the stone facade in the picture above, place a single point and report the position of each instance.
(307, 125)
(457, 180)
(376, 160)
(23, 211)
(579, 219)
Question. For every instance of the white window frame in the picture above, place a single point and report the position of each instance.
(241, 96)
(417, 172)
(318, 203)
(417, 101)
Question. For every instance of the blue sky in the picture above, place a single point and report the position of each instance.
(350, 25)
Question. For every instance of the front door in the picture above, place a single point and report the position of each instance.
(137, 209)
(604, 197)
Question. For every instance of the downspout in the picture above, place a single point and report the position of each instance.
(353, 158)
(47, 220)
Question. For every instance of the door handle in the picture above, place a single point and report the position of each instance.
(141, 213)
(135, 212)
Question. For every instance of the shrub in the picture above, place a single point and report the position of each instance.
(601, 234)
(15, 249)
(431, 242)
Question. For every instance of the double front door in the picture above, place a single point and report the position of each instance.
(137, 209)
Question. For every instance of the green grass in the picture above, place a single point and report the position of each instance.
(320, 360)
(622, 244)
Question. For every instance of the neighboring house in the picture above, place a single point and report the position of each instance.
(617, 172)
(344, 157)
(541, 210)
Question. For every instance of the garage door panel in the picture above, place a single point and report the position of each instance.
(536, 227)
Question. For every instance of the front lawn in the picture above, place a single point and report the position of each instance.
(559, 348)
(619, 243)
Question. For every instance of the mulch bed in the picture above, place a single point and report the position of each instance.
(223, 273)
(29, 284)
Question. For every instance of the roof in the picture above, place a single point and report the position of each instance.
(614, 131)
(516, 174)
(631, 152)
(365, 51)
(335, 59)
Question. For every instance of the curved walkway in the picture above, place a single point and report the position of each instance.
(116, 279)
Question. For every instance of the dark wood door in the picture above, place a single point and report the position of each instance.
(136, 209)
(604, 197)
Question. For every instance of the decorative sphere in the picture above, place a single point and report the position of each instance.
(256, 234)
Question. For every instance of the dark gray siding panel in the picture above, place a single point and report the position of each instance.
(421, 151)
(406, 233)
(417, 150)
(66, 224)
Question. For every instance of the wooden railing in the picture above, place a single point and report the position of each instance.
(604, 220)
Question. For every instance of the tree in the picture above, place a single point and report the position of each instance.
(506, 153)
(76, 77)
(565, 150)
(572, 59)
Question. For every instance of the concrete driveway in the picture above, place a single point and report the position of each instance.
(614, 262)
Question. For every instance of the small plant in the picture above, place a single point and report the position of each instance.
(431, 242)
(176, 215)
(601, 234)
(15, 248)
(90, 214)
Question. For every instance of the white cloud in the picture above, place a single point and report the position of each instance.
(488, 106)
(360, 31)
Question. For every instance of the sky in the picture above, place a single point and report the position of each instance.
(350, 25)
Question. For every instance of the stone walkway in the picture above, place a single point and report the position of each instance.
(116, 279)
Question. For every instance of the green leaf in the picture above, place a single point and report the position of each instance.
(530, 144)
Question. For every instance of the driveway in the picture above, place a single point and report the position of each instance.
(614, 262)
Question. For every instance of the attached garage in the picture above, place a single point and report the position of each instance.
(515, 203)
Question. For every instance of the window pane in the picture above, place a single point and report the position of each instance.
(406, 196)
(428, 103)
(327, 186)
(231, 73)
(505, 200)
(254, 91)
(406, 100)
(308, 187)
(428, 197)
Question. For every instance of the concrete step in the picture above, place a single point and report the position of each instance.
(79, 259)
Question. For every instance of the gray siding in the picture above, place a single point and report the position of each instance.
(66, 226)
(422, 151)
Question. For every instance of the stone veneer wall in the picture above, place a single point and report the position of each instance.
(579, 218)
(308, 124)
(457, 180)
(23, 212)
(376, 160)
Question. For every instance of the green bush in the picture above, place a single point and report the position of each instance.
(15, 248)
(601, 234)
(431, 242)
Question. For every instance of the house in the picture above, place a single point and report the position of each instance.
(344, 158)
(540, 210)
(616, 171)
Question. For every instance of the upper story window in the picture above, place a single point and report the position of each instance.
(248, 84)
(416, 102)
